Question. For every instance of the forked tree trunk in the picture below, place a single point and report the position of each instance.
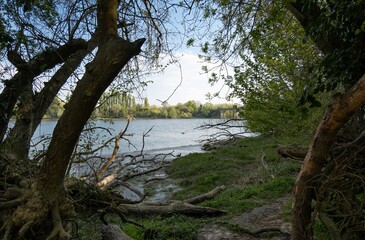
(110, 59)
(338, 113)
(113, 54)
(33, 108)
(27, 71)
(48, 192)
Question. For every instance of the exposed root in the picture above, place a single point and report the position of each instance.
(58, 230)
(7, 228)
(26, 213)
(13, 203)
(14, 197)
(24, 229)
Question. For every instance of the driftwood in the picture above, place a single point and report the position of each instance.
(184, 207)
(115, 151)
(176, 207)
(206, 196)
(297, 153)
(226, 132)
(112, 231)
(155, 179)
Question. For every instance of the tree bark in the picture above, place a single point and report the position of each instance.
(111, 57)
(337, 114)
(27, 72)
(109, 60)
(32, 109)
(178, 207)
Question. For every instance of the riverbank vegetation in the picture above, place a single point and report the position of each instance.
(124, 105)
(253, 175)
(298, 68)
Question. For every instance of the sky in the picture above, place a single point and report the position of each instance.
(194, 85)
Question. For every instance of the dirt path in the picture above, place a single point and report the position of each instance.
(261, 218)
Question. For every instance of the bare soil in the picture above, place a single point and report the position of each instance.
(267, 217)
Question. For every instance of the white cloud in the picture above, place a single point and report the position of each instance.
(194, 85)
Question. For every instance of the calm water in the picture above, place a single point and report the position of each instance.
(178, 135)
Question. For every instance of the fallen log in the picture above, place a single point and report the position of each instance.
(155, 179)
(296, 153)
(177, 207)
(206, 196)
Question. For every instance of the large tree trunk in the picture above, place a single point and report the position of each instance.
(310, 15)
(113, 54)
(27, 71)
(47, 196)
(109, 60)
(338, 113)
(33, 107)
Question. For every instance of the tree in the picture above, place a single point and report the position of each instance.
(113, 54)
(40, 50)
(46, 196)
(343, 64)
(146, 104)
(337, 30)
(172, 113)
(274, 76)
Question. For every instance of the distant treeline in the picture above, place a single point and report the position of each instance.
(123, 105)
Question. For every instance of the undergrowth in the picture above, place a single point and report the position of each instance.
(250, 169)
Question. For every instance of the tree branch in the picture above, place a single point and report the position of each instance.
(337, 114)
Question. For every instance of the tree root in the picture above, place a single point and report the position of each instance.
(12, 203)
(23, 230)
(58, 230)
(7, 227)
(28, 211)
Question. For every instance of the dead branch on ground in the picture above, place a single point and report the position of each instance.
(206, 196)
(292, 152)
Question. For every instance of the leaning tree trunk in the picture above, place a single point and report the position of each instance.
(338, 113)
(48, 195)
(27, 71)
(33, 107)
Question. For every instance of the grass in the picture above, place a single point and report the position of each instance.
(170, 228)
(249, 168)
(241, 199)
(249, 162)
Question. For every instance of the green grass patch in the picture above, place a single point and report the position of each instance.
(241, 199)
(174, 227)
(250, 169)
(247, 167)
(287, 211)
(167, 228)
(87, 229)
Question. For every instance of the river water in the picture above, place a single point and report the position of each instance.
(161, 135)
